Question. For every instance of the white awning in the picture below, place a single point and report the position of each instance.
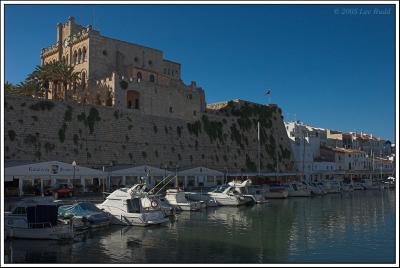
(200, 171)
(140, 171)
(52, 168)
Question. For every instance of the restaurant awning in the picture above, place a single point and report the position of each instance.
(51, 168)
(140, 171)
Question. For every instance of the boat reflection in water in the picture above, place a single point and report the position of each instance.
(356, 227)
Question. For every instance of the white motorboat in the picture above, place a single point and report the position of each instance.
(331, 186)
(297, 189)
(36, 219)
(133, 206)
(206, 200)
(276, 191)
(246, 189)
(358, 186)
(258, 192)
(370, 185)
(166, 208)
(346, 187)
(321, 186)
(177, 199)
(226, 195)
(314, 188)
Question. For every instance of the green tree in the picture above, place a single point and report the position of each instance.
(60, 75)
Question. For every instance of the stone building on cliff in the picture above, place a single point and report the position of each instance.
(122, 74)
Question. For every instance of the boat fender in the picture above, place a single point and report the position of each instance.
(154, 203)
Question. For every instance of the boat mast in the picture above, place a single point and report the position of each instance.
(304, 152)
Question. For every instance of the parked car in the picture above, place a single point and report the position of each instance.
(60, 190)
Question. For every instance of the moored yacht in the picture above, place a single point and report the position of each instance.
(346, 187)
(331, 186)
(133, 206)
(276, 191)
(226, 195)
(206, 200)
(314, 188)
(177, 199)
(36, 219)
(256, 194)
(297, 189)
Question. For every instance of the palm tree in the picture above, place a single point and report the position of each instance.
(29, 88)
(57, 73)
(42, 76)
(9, 88)
(67, 78)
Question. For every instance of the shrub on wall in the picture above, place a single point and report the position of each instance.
(76, 139)
(235, 135)
(91, 119)
(42, 105)
(123, 84)
(250, 165)
(49, 147)
(11, 135)
(212, 128)
(179, 131)
(68, 114)
(30, 139)
(194, 128)
(61, 133)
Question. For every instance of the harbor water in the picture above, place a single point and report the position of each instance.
(356, 227)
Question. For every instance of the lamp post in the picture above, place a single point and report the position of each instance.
(74, 165)
(176, 176)
(226, 175)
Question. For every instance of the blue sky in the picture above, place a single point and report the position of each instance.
(329, 69)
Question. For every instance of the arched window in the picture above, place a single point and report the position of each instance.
(139, 76)
(75, 58)
(79, 55)
(152, 78)
(84, 54)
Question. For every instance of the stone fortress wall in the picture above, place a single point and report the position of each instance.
(39, 130)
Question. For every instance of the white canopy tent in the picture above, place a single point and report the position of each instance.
(201, 176)
(52, 171)
(149, 172)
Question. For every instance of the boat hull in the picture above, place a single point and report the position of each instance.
(232, 201)
(54, 233)
(276, 195)
(128, 220)
(300, 193)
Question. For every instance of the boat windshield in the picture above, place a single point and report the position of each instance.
(133, 205)
(19, 211)
(220, 189)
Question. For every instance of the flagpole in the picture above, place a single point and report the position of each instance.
(259, 159)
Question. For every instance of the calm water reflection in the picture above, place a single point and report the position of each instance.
(354, 227)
